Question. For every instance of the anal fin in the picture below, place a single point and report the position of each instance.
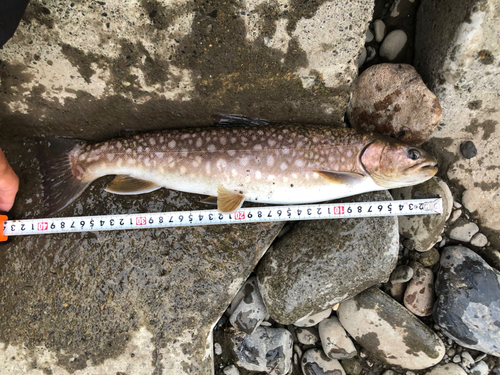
(126, 185)
(228, 201)
(341, 177)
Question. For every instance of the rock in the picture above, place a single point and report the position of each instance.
(425, 230)
(481, 368)
(467, 359)
(351, 366)
(362, 57)
(371, 53)
(308, 335)
(369, 36)
(392, 99)
(320, 263)
(231, 370)
(390, 332)
(468, 149)
(479, 240)
(401, 274)
(397, 291)
(379, 29)
(314, 319)
(459, 68)
(447, 369)
(393, 44)
(315, 362)
(468, 293)
(455, 215)
(334, 340)
(463, 231)
(217, 349)
(429, 258)
(419, 294)
(250, 312)
(266, 349)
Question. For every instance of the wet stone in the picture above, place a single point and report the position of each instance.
(266, 349)
(425, 230)
(392, 99)
(419, 294)
(468, 300)
(389, 332)
(320, 263)
(250, 311)
(401, 274)
(336, 344)
(315, 362)
(468, 149)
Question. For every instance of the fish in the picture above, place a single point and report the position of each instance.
(258, 162)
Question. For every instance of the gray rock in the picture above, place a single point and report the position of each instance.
(315, 362)
(362, 57)
(371, 53)
(369, 36)
(321, 263)
(447, 369)
(463, 231)
(392, 99)
(352, 366)
(251, 311)
(468, 294)
(379, 29)
(425, 230)
(393, 44)
(334, 340)
(479, 240)
(419, 294)
(267, 349)
(454, 216)
(481, 368)
(390, 332)
(468, 149)
(456, 52)
(231, 370)
(397, 291)
(314, 319)
(401, 274)
(467, 359)
(307, 335)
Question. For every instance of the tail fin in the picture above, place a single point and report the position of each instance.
(60, 186)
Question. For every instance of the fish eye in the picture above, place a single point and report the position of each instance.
(413, 154)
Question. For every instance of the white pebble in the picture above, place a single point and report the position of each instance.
(217, 348)
(464, 232)
(467, 359)
(231, 370)
(457, 359)
(393, 44)
(379, 29)
(480, 369)
(479, 240)
(457, 204)
(455, 215)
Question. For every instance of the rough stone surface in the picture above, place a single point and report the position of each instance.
(479, 240)
(314, 319)
(401, 274)
(307, 335)
(419, 294)
(393, 44)
(447, 369)
(392, 99)
(424, 230)
(266, 349)
(142, 65)
(320, 263)
(250, 312)
(336, 344)
(315, 362)
(457, 50)
(463, 230)
(429, 258)
(389, 332)
(88, 298)
(468, 294)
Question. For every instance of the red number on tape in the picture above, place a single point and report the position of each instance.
(2, 236)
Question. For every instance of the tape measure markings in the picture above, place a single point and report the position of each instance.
(214, 217)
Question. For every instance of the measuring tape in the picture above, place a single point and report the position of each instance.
(213, 217)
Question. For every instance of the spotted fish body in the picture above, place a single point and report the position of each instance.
(281, 164)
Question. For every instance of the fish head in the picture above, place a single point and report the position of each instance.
(393, 164)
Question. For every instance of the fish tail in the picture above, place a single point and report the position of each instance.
(60, 186)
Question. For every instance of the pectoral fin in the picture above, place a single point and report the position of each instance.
(341, 177)
(126, 185)
(228, 201)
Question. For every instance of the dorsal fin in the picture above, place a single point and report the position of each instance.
(126, 185)
(228, 201)
(238, 120)
(341, 177)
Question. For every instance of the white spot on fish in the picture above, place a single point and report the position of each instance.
(128, 150)
(170, 159)
(280, 137)
(244, 161)
(199, 142)
(270, 161)
(299, 163)
(257, 147)
(119, 146)
(342, 160)
(233, 140)
(234, 173)
(139, 149)
(190, 142)
(271, 142)
(185, 136)
(331, 158)
(315, 175)
(231, 152)
(285, 151)
(270, 177)
(82, 157)
(198, 159)
(221, 163)
(294, 175)
(162, 139)
(283, 166)
(223, 140)
(183, 170)
(258, 175)
(285, 179)
(119, 162)
(208, 167)
(159, 154)
(152, 141)
(349, 153)
(195, 164)
(172, 144)
(211, 148)
(336, 167)
(110, 156)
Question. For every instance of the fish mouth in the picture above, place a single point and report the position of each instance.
(429, 167)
